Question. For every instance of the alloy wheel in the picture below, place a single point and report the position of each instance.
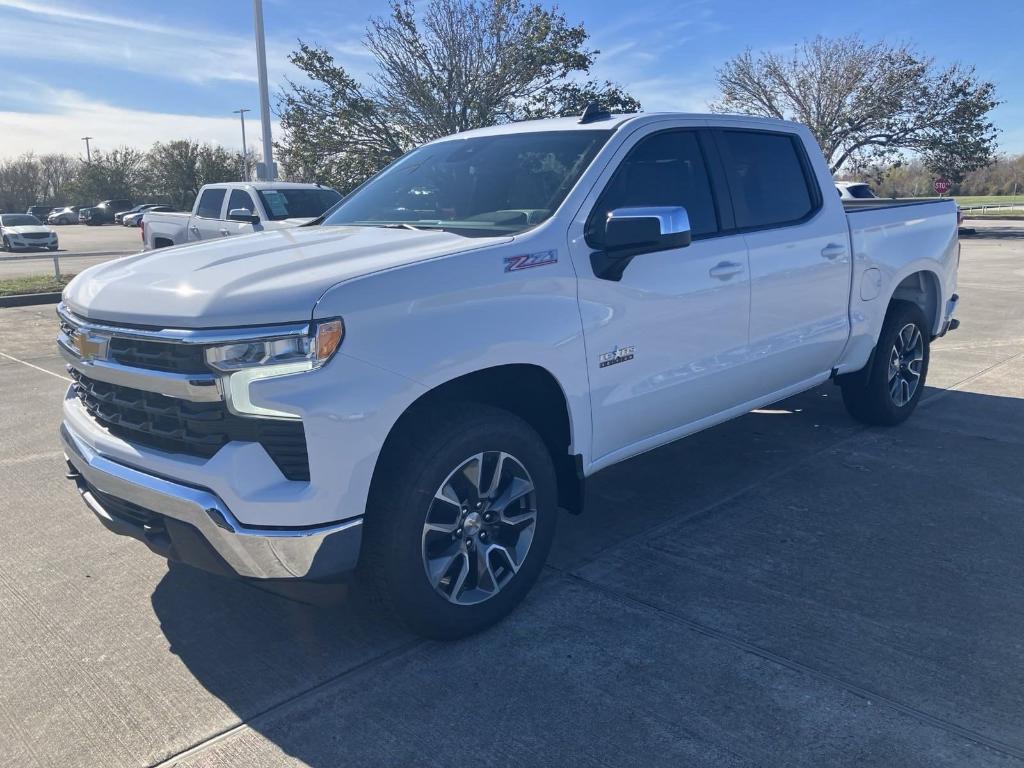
(905, 361)
(479, 528)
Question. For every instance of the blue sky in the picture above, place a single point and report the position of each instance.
(134, 72)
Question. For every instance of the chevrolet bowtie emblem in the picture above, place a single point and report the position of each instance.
(90, 346)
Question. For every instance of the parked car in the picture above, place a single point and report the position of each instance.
(39, 211)
(64, 215)
(416, 384)
(135, 219)
(22, 232)
(855, 190)
(103, 213)
(119, 217)
(239, 208)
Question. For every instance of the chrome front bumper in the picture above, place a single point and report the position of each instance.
(191, 522)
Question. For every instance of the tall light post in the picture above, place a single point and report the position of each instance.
(245, 147)
(88, 154)
(261, 66)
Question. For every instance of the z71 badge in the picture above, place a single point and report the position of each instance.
(616, 356)
(530, 260)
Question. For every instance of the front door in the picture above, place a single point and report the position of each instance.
(665, 342)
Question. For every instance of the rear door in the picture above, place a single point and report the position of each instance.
(666, 341)
(800, 261)
(208, 220)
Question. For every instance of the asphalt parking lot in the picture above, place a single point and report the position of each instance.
(80, 247)
(790, 588)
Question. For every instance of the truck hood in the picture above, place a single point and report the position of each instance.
(258, 279)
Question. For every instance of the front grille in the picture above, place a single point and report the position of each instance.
(193, 429)
(36, 235)
(158, 355)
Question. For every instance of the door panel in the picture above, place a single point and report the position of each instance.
(800, 261)
(666, 342)
(207, 223)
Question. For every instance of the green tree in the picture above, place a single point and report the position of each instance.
(178, 169)
(869, 103)
(118, 173)
(445, 67)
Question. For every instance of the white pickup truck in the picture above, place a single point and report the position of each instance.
(238, 208)
(412, 389)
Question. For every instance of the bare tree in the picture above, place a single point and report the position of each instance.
(445, 67)
(20, 183)
(58, 171)
(869, 103)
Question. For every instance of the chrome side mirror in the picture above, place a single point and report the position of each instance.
(243, 214)
(630, 232)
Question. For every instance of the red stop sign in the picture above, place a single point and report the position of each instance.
(942, 186)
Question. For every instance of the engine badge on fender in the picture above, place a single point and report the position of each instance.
(616, 356)
(530, 260)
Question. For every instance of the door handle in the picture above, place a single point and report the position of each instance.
(194, 228)
(725, 270)
(224, 232)
(833, 251)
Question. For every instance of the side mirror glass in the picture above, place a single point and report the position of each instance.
(243, 214)
(629, 232)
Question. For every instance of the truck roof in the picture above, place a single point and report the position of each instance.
(613, 122)
(266, 185)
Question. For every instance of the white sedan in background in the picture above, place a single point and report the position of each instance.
(855, 190)
(135, 219)
(22, 231)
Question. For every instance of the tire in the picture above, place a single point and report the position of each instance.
(6, 246)
(434, 455)
(888, 390)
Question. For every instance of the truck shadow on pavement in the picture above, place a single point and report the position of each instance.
(768, 522)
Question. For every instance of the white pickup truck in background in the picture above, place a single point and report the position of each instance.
(238, 208)
(412, 388)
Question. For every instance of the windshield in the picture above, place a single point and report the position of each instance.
(860, 191)
(297, 203)
(486, 185)
(19, 220)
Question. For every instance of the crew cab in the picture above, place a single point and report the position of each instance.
(410, 389)
(238, 208)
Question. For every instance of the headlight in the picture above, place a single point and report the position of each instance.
(244, 362)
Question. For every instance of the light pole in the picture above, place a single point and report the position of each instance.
(88, 154)
(261, 66)
(245, 148)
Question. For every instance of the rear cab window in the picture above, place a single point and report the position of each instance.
(210, 203)
(769, 178)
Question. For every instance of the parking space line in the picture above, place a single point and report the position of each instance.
(36, 367)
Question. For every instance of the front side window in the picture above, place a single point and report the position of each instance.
(477, 186)
(210, 203)
(240, 199)
(664, 169)
(766, 177)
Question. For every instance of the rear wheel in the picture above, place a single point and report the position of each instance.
(888, 391)
(460, 520)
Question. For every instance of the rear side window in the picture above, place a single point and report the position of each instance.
(210, 203)
(767, 178)
(664, 169)
(240, 199)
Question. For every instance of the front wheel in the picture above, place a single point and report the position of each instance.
(460, 520)
(888, 391)
(6, 244)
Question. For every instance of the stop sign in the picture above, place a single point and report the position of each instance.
(942, 186)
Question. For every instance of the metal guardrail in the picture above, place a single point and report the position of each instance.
(985, 208)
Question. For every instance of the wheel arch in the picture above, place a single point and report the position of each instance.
(529, 391)
(923, 288)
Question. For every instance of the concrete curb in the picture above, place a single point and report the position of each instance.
(28, 299)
